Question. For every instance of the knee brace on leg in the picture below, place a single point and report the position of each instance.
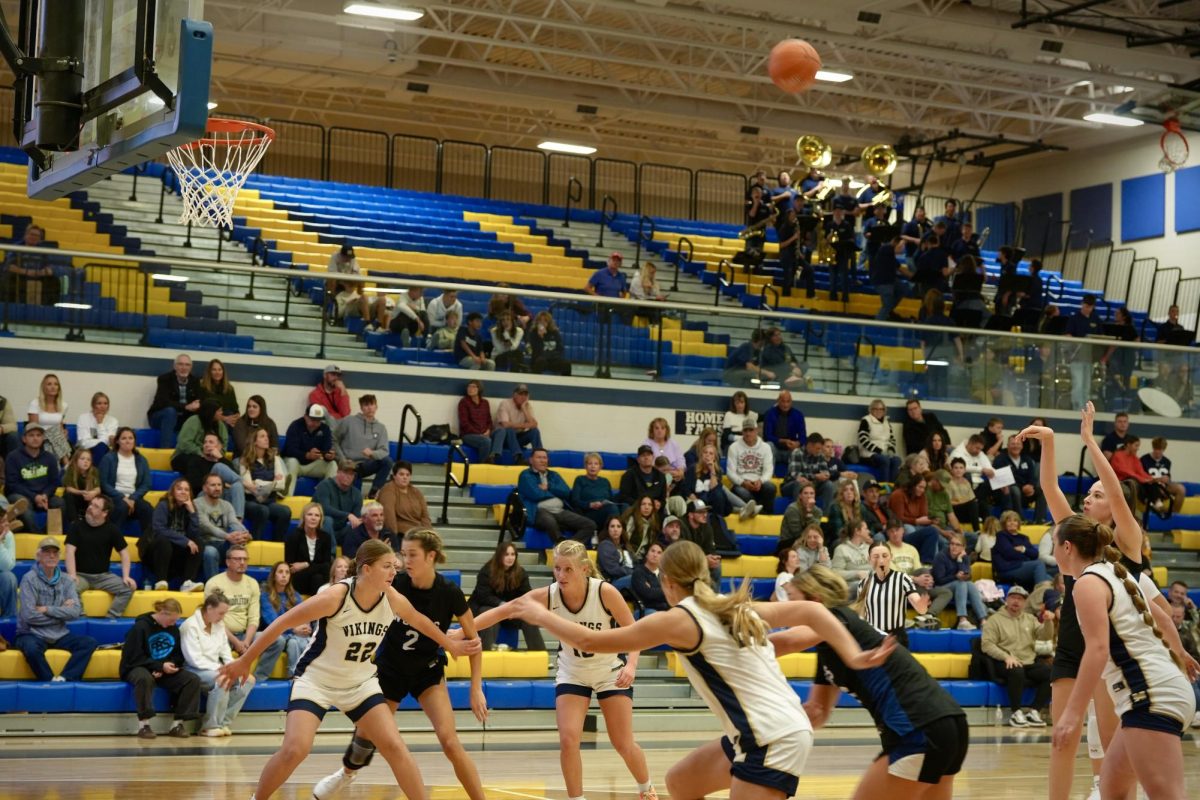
(1094, 743)
(358, 754)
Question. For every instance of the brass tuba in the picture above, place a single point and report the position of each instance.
(880, 159)
(813, 152)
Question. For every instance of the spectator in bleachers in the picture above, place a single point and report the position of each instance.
(410, 318)
(963, 501)
(952, 570)
(308, 447)
(219, 525)
(9, 440)
(277, 596)
(643, 480)
(331, 393)
(96, 430)
(811, 548)
(500, 580)
(196, 456)
(778, 357)
(546, 348)
(919, 425)
(339, 570)
(939, 597)
(851, 558)
(913, 233)
(967, 245)
(341, 262)
(49, 410)
(90, 544)
(243, 620)
(703, 482)
(375, 313)
(1177, 594)
(1008, 639)
(1115, 439)
(609, 281)
(47, 603)
(404, 507)
(372, 527)
(363, 439)
(978, 467)
(125, 479)
(1158, 466)
(613, 554)
(783, 427)
(874, 509)
(1014, 557)
(1025, 491)
(515, 416)
(28, 272)
(152, 657)
(844, 508)
(309, 551)
(887, 271)
(475, 424)
(743, 364)
(1157, 490)
(799, 514)
(646, 586)
(1082, 325)
(731, 425)
(807, 466)
(81, 485)
(216, 386)
(508, 343)
(441, 307)
(839, 231)
(644, 285)
(340, 500)
(8, 580)
(468, 347)
(837, 467)
(176, 397)
(1120, 360)
(658, 439)
(787, 564)
(885, 594)
(170, 547)
(442, 339)
(905, 557)
(206, 649)
(941, 510)
(264, 482)
(663, 465)
(1190, 638)
(993, 437)
(707, 436)
(751, 465)
(643, 523)
(877, 441)
(932, 267)
(31, 473)
(695, 527)
(545, 495)
(909, 504)
(592, 494)
(937, 452)
(248, 424)
(499, 303)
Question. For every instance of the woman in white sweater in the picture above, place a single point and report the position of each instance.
(206, 648)
(877, 442)
(96, 430)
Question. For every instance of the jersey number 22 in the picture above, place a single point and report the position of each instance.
(360, 651)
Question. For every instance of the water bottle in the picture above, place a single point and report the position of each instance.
(998, 719)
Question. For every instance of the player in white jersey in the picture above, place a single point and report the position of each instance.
(337, 667)
(1124, 649)
(723, 643)
(577, 595)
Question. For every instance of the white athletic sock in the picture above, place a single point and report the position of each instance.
(581, 797)
(644, 787)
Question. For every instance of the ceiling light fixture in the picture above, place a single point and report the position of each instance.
(833, 76)
(168, 277)
(564, 147)
(77, 306)
(1104, 118)
(383, 12)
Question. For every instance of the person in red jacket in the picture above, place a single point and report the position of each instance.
(1150, 489)
(475, 424)
(331, 393)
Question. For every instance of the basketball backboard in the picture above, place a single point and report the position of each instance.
(141, 79)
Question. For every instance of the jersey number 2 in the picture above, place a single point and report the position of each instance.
(358, 651)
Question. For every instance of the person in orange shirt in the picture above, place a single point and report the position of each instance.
(1128, 466)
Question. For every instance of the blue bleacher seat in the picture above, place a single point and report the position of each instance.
(460, 694)
(508, 694)
(45, 698)
(8, 697)
(109, 631)
(113, 697)
(491, 494)
(757, 545)
(270, 695)
(543, 694)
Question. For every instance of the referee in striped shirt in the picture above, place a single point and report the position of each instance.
(883, 594)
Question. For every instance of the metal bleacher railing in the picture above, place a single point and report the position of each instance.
(668, 342)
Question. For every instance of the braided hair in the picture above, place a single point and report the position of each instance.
(687, 566)
(1094, 541)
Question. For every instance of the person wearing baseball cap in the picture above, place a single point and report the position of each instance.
(308, 449)
(331, 393)
(609, 281)
(1008, 641)
(33, 475)
(515, 417)
(48, 600)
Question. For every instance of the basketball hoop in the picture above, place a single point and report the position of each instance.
(212, 170)
(1174, 146)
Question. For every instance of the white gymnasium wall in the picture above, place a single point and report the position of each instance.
(615, 420)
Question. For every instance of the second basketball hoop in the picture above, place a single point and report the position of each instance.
(212, 170)
(1174, 146)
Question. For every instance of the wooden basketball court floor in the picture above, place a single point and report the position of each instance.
(1002, 763)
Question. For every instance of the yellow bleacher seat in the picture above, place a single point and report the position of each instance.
(749, 567)
(296, 504)
(157, 458)
(1160, 576)
(26, 546)
(13, 666)
(523, 664)
(981, 570)
(104, 666)
(1189, 540)
(264, 554)
(760, 525)
(143, 602)
(798, 665)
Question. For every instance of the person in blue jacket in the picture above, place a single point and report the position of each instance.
(125, 479)
(1014, 557)
(545, 496)
(952, 568)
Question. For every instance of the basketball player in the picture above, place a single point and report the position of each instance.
(722, 640)
(1125, 652)
(577, 595)
(1104, 503)
(336, 669)
(411, 663)
(923, 730)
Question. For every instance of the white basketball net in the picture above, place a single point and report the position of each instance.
(213, 170)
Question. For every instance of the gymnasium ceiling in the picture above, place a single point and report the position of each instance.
(684, 81)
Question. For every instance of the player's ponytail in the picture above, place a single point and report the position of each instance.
(686, 565)
(822, 585)
(575, 551)
(428, 541)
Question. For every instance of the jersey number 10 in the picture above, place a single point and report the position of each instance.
(360, 651)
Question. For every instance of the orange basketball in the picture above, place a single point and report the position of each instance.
(793, 65)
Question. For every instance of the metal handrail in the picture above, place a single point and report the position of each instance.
(138, 169)
(513, 501)
(451, 478)
(762, 296)
(606, 218)
(403, 435)
(168, 177)
(641, 237)
(721, 265)
(574, 195)
(1061, 286)
(679, 257)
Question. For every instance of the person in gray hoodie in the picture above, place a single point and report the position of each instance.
(219, 526)
(48, 600)
(364, 440)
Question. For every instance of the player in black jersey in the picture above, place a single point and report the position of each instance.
(923, 730)
(409, 662)
(1104, 503)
